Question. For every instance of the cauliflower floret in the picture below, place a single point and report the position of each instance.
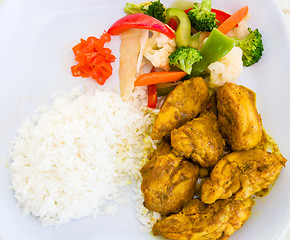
(227, 69)
(158, 48)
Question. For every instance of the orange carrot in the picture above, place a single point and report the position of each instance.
(158, 77)
(233, 20)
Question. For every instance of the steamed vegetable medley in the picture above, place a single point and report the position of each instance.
(190, 37)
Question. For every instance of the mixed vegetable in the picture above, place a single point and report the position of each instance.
(154, 9)
(201, 16)
(184, 58)
(142, 21)
(192, 39)
(252, 47)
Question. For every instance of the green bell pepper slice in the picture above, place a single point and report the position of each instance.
(183, 31)
(216, 46)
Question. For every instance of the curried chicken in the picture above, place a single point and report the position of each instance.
(199, 139)
(168, 183)
(199, 221)
(162, 148)
(217, 203)
(242, 174)
(182, 104)
(239, 121)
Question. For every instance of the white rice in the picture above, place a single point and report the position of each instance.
(146, 217)
(71, 157)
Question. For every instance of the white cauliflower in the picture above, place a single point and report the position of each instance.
(227, 69)
(158, 48)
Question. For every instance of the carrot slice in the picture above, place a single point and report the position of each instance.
(233, 20)
(158, 77)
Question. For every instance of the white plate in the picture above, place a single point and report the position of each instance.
(35, 59)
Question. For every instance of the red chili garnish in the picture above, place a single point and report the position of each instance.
(94, 59)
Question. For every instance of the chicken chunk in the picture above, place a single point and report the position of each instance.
(239, 121)
(242, 174)
(162, 148)
(199, 139)
(168, 183)
(199, 221)
(182, 104)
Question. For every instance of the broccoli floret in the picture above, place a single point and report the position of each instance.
(201, 17)
(184, 58)
(154, 9)
(252, 47)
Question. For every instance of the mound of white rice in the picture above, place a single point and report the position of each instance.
(72, 156)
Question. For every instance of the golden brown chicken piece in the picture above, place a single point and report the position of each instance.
(199, 221)
(168, 183)
(199, 139)
(239, 121)
(242, 174)
(182, 104)
(162, 148)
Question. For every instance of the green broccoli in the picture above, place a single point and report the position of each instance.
(154, 9)
(201, 17)
(252, 47)
(184, 58)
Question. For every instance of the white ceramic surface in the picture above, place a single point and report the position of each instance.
(35, 59)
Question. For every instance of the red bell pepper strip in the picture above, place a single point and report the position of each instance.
(152, 96)
(141, 21)
(220, 16)
(152, 93)
(158, 77)
(172, 23)
(187, 10)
